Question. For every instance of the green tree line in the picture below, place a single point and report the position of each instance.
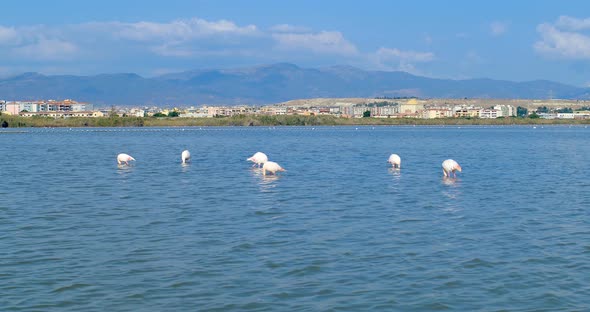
(262, 120)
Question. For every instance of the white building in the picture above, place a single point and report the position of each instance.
(412, 106)
(83, 107)
(136, 112)
(279, 110)
(506, 110)
(436, 112)
(565, 115)
(12, 108)
(32, 107)
(384, 111)
(466, 111)
(335, 110)
(359, 110)
(490, 113)
(547, 115)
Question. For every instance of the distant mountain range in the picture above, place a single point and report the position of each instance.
(268, 84)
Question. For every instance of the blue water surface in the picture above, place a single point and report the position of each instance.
(338, 231)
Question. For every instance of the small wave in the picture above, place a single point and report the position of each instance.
(437, 306)
(181, 284)
(310, 269)
(243, 246)
(412, 220)
(476, 263)
(70, 287)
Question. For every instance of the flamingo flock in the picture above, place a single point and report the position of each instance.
(260, 160)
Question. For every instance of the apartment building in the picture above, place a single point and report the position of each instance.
(436, 112)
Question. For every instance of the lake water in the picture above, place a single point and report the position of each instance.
(337, 231)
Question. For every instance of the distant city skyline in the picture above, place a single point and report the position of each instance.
(516, 41)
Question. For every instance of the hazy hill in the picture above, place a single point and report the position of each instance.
(267, 84)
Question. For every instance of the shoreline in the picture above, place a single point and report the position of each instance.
(8, 121)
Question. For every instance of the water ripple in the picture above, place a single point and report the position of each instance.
(339, 230)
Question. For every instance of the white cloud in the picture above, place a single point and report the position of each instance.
(177, 38)
(564, 38)
(117, 43)
(186, 38)
(406, 56)
(183, 51)
(169, 49)
(47, 49)
(179, 29)
(473, 57)
(396, 59)
(331, 42)
(5, 71)
(35, 42)
(498, 28)
(286, 28)
(7, 35)
(572, 23)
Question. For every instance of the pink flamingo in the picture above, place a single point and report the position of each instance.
(450, 167)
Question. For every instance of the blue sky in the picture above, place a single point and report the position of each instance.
(511, 40)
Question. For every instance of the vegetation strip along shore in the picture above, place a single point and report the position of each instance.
(279, 120)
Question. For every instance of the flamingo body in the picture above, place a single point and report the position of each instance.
(450, 168)
(185, 156)
(271, 167)
(258, 158)
(395, 161)
(124, 158)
